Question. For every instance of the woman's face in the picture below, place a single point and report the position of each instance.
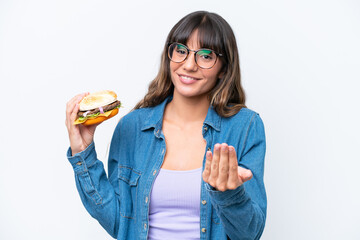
(188, 78)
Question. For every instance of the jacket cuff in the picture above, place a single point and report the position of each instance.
(227, 197)
(81, 161)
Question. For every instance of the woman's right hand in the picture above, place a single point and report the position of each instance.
(80, 136)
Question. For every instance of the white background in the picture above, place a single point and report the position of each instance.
(300, 69)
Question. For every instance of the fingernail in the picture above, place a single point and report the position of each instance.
(231, 149)
(217, 147)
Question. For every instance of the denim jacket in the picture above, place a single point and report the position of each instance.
(120, 199)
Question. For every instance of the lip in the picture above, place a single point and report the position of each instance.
(186, 79)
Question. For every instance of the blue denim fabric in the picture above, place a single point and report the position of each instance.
(120, 200)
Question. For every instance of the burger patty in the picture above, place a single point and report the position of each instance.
(106, 108)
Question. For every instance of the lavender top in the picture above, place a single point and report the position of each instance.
(175, 205)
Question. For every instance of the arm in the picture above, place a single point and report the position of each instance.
(240, 202)
(98, 194)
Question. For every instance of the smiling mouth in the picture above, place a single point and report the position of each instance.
(188, 78)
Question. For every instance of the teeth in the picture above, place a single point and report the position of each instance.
(188, 78)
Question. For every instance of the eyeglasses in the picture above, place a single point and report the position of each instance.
(204, 58)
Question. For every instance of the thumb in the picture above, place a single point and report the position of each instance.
(244, 174)
(93, 127)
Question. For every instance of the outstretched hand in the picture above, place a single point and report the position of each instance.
(221, 169)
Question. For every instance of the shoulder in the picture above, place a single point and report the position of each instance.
(245, 117)
(246, 112)
(135, 116)
(135, 120)
(245, 123)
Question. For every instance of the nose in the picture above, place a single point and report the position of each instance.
(190, 64)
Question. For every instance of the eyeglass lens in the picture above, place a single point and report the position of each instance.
(205, 58)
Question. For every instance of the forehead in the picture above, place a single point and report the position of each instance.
(198, 38)
(193, 41)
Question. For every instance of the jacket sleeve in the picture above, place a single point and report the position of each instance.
(98, 192)
(243, 210)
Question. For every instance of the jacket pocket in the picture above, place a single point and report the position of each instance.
(128, 182)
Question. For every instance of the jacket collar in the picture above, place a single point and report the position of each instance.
(155, 118)
(213, 119)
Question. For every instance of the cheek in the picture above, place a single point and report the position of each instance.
(213, 82)
(173, 67)
(215, 75)
(212, 78)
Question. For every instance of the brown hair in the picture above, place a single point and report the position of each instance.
(227, 97)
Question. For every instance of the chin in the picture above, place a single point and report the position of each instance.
(190, 93)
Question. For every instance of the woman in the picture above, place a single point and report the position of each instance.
(188, 161)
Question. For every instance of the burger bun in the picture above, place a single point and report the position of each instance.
(97, 99)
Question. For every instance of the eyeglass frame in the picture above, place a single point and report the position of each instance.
(195, 51)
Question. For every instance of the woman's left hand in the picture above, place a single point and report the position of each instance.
(222, 170)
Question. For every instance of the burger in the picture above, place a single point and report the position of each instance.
(97, 107)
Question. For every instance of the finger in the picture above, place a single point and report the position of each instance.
(215, 166)
(233, 180)
(71, 104)
(74, 130)
(74, 113)
(72, 109)
(244, 174)
(69, 111)
(207, 169)
(221, 182)
(75, 99)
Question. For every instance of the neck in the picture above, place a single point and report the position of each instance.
(186, 110)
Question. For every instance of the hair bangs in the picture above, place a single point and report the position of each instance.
(185, 28)
(208, 32)
(209, 36)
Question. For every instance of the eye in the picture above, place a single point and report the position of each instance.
(206, 54)
(180, 49)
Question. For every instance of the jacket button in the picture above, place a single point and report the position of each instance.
(145, 226)
(203, 230)
(79, 163)
(209, 149)
(205, 129)
(154, 172)
(146, 199)
(203, 202)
